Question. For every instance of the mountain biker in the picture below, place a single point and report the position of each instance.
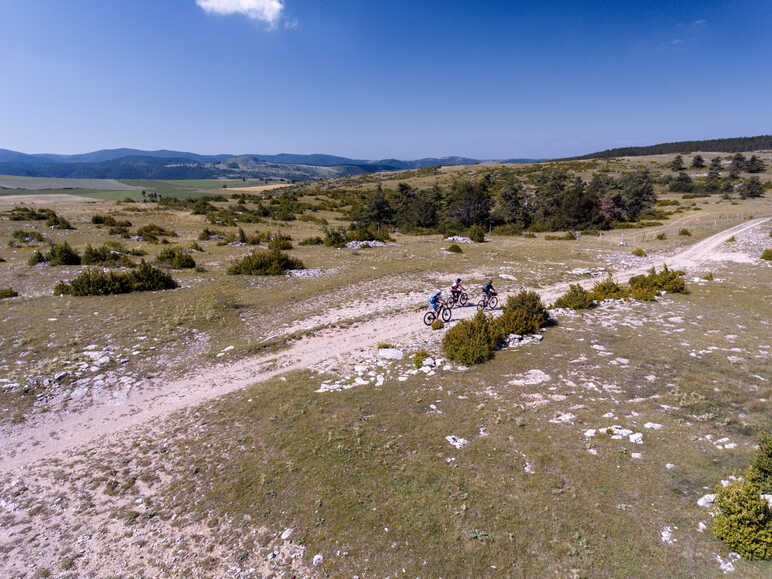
(456, 289)
(488, 289)
(433, 301)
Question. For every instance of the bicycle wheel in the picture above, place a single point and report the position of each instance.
(480, 305)
(429, 317)
(493, 302)
(446, 314)
(463, 298)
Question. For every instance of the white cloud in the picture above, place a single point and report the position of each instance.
(700, 21)
(266, 10)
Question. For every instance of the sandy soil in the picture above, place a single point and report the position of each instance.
(325, 347)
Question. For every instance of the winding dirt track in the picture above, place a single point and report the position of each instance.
(104, 422)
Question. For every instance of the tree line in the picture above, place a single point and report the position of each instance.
(554, 200)
(733, 145)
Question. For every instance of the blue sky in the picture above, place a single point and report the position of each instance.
(373, 79)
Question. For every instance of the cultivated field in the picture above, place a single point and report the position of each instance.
(251, 425)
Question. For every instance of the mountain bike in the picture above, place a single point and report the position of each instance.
(488, 301)
(443, 312)
(459, 299)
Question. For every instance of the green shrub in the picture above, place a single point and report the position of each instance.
(568, 236)
(685, 232)
(742, 519)
(265, 263)
(438, 324)
(661, 236)
(385, 346)
(62, 254)
(577, 298)
(643, 293)
(334, 236)
(152, 232)
(420, 356)
(454, 248)
(529, 235)
(95, 282)
(472, 341)
(312, 241)
(280, 242)
(730, 240)
(27, 236)
(196, 247)
(109, 220)
(638, 252)
(105, 256)
(208, 234)
(36, 258)
(762, 462)
(57, 222)
(666, 280)
(477, 233)
(608, 289)
(7, 293)
(531, 303)
(708, 276)
(518, 322)
(766, 254)
(175, 257)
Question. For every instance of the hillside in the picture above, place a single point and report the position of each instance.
(732, 145)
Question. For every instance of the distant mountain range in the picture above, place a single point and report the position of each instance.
(164, 164)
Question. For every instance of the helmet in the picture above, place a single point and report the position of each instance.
(458, 280)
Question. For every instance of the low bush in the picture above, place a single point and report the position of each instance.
(62, 254)
(175, 257)
(708, 276)
(531, 303)
(95, 282)
(280, 242)
(608, 289)
(105, 256)
(477, 233)
(58, 222)
(152, 232)
(730, 240)
(438, 324)
(472, 341)
(36, 258)
(7, 293)
(311, 241)
(766, 254)
(196, 247)
(666, 280)
(208, 234)
(568, 236)
(643, 293)
(27, 236)
(524, 313)
(454, 248)
(265, 263)
(109, 221)
(742, 518)
(529, 235)
(685, 232)
(638, 252)
(420, 356)
(661, 236)
(577, 298)
(385, 346)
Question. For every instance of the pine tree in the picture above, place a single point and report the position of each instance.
(677, 164)
(698, 162)
(755, 165)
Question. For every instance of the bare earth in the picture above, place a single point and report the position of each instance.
(107, 422)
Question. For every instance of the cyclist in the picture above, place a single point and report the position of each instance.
(456, 289)
(435, 299)
(488, 289)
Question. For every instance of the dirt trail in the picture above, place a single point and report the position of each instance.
(104, 422)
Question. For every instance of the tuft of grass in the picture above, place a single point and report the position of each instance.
(438, 324)
(105, 256)
(766, 254)
(568, 236)
(385, 346)
(638, 252)
(685, 232)
(454, 248)
(419, 357)
(175, 257)
(316, 240)
(730, 240)
(708, 276)
(661, 236)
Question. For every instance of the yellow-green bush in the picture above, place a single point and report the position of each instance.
(531, 303)
(742, 519)
(477, 233)
(105, 256)
(767, 254)
(762, 462)
(472, 341)
(608, 289)
(265, 263)
(95, 282)
(576, 298)
(175, 257)
(419, 357)
(666, 280)
(454, 248)
(638, 252)
(7, 293)
(438, 324)
(643, 294)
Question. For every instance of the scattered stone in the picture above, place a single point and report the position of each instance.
(318, 559)
(368, 243)
(286, 534)
(459, 239)
(390, 353)
(666, 535)
(531, 378)
(61, 376)
(652, 426)
(706, 501)
(456, 441)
